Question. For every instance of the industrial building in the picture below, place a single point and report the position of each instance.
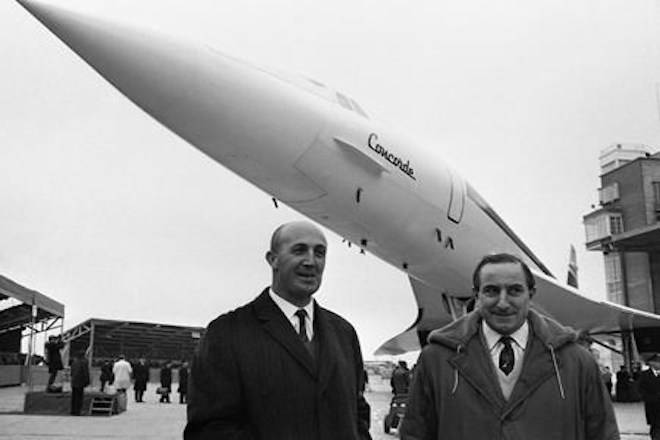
(625, 228)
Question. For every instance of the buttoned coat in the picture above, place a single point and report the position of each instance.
(253, 378)
(456, 395)
(141, 376)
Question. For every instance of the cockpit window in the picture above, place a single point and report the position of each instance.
(317, 88)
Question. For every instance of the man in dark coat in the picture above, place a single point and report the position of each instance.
(53, 358)
(79, 380)
(183, 382)
(649, 387)
(623, 380)
(141, 377)
(280, 367)
(166, 382)
(106, 374)
(400, 380)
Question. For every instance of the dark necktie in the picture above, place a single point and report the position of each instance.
(302, 329)
(302, 332)
(507, 358)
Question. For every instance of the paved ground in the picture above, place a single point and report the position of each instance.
(154, 421)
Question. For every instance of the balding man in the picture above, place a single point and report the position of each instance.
(280, 367)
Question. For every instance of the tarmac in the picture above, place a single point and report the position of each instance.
(159, 421)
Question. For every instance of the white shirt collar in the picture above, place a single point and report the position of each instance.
(290, 310)
(492, 337)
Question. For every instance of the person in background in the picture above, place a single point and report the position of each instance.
(183, 382)
(649, 387)
(606, 375)
(53, 358)
(505, 371)
(281, 367)
(140, 377)
(623, 381)
(400, 381)
(106, 375)
(79, 380)
(166, 382)
(122, 371)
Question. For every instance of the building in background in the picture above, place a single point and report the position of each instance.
(105, 339)
(625, 228)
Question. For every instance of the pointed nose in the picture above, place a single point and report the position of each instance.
(156, 72)
(220, 105)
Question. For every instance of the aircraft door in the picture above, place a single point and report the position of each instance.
(456, 198)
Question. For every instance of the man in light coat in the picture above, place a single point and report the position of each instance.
(122, 371)
(507, 372)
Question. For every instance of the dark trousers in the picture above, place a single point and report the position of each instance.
(139, 394)
(77, 394)
(183, 398)
(51, 378)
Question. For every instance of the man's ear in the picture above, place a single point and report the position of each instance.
(271, 258)
(532, 292)
(475, 298)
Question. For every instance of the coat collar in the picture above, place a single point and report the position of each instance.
(475, 366)
(459, 332)
(279, 328)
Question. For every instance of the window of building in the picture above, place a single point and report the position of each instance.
(609, 193)
(656, 192)
(616, 224)
(613, 278)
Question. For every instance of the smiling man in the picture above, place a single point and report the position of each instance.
(280, 367)
(505, 371)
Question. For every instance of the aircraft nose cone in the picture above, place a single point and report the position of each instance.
(196, 92)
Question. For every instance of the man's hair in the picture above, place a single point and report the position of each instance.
(499, 259)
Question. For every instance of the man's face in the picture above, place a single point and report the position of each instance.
(503, 297)
(298, 262)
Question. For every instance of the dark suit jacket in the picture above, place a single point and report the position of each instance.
(649, 386)
(252, 378)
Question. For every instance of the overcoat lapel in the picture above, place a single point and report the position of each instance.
(476, 367)
(328, 346)
(537, 368)
(279, 328)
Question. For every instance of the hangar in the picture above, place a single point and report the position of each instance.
(158, 343)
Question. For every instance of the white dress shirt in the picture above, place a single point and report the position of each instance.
(492, 339)
(290, 310)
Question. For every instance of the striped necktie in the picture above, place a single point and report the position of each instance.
(507, 358)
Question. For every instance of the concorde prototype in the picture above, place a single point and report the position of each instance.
(315, 149)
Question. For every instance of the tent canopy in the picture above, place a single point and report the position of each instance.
(20, 316)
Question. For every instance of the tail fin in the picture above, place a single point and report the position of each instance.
(572, 279)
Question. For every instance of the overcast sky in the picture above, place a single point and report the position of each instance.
(109, 213)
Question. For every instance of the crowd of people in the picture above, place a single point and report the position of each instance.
(115, 377)
(122, 374)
